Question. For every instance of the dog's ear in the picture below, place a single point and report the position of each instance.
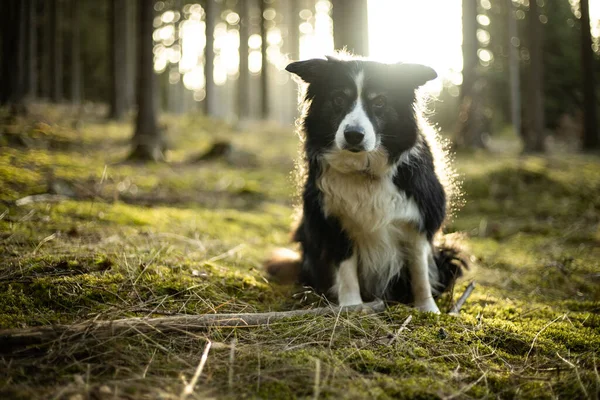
(415, 74)
(308, 70)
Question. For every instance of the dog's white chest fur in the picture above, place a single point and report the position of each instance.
(381, 221)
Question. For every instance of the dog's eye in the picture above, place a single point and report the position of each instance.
(339, 100)
(379, 102)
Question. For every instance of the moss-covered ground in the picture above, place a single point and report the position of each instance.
(118, 240)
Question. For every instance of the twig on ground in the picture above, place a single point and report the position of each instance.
(185, 239)
(538, 334)
(231, 362)
(40, 198)
(317, 385)
(189, 388)
(11, 339)
(455, 310)
(399, 331)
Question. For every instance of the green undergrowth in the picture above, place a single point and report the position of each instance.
(118, 240)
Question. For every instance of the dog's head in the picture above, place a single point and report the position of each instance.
(359, 108)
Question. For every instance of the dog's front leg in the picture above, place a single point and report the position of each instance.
(347, 287)
(419, 272)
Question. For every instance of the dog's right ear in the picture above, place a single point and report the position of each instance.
(309, 70)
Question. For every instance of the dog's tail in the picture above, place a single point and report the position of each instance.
(284, 266)
(451, 260)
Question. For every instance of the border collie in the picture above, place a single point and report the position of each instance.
(373, 197)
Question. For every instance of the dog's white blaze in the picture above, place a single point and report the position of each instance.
(346, 285)
(357, 117)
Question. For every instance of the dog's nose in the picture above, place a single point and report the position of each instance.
(353, 136)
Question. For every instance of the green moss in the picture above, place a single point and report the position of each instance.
(176, 238)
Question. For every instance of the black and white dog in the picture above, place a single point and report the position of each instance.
(372, 199)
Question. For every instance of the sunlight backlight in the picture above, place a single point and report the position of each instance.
(425, 31)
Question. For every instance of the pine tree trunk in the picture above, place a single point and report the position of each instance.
(350, 26)
(514, 71)
(264, 71)
(209, 56)
(147, 140)
(118, 65)
(56, 55)
(243, 80)
(46, 50)
(534, 135)
(32, 61)
(75, 52)
(131, 54)
(13, 80)
(590, 131)
(471, 120)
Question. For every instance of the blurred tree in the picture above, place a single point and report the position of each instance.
(118, 70)
(210, 15)
(148, 142)
(56, 54)
(513, 65)
(32, 59)
(131, 54)
(294, 31)
(350, 26)
(45, 51)
(12, 89)
(534, 128)
(243, 80)
(264, 71)
(76, 83)
(590, 126)
(471, 117)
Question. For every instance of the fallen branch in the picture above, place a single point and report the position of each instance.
(455, 310)
(10, 339)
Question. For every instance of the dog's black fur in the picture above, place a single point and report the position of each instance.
(324, 242)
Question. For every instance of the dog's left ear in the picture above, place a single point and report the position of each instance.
(308, 70)
(416, 74)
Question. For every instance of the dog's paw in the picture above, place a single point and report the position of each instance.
(428, 306)
(350, 301)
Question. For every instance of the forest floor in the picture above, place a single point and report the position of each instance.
(115, 240)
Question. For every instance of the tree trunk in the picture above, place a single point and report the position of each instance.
(75, 52)
(118, 65)
(46, 50)
(590, 128)
(147, 140)
(534, 136)
(56, 55)
(471, 120)
(12, 91)
(264, 71)
(294, 30)
(243, 80)
(131, 54)
(211, 14)
(32, 49)
(515, 77)
(351, 26)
